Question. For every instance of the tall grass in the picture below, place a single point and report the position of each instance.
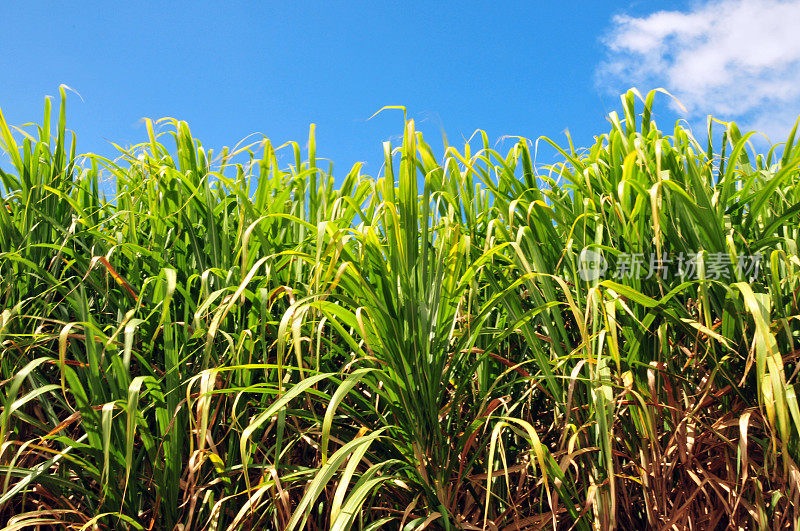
(229, 344)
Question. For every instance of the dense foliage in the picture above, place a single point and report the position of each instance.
(226, 343)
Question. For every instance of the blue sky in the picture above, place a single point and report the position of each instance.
(527, 69)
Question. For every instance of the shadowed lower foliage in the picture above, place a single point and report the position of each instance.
(228, 344)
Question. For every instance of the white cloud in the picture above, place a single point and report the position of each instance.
(734, 59)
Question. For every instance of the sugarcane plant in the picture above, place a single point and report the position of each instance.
(471, 341)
